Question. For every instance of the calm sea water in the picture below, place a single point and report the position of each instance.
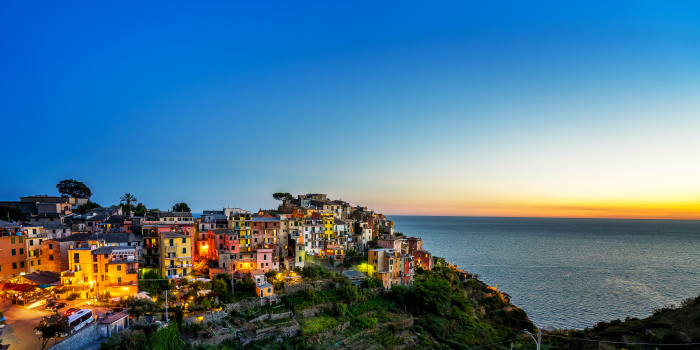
(571, 273)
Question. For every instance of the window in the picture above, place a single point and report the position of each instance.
(31, 263)
(50, 257)
(184, 240)
(40, 241)
(33, 231)
(184, 250)
(184, 271)
(119, 280)
(14, 266)
(12, 240)
(50, 246)
(76, 258)
(21, 264)
(94, 268)
(94, 258)
(21, 251)
(14, 251)
(119, 267)
(21, 239)
(31, 242)
(38, 262)
(264, 256)
(171, 241)
(106, 268)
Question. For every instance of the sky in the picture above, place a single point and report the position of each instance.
(554, 109)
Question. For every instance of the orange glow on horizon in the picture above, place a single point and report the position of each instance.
(611, 209)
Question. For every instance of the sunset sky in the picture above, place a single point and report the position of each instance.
(459, 108)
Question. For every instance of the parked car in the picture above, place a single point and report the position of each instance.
(71, 311)
(55, 306)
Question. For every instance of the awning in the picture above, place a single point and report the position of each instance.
(23, 288)
(43, 286)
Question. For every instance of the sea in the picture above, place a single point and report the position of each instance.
(571, 273)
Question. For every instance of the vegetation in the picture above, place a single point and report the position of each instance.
(52, 328)
(73, 188)
(181, 207)
(282, 196)
(10, 213)
(140, 210)
(87, 207)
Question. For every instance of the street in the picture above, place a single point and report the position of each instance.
(19, 333)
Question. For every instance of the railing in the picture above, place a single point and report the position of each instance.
(171, 249)
(123, 283)
(132, 271)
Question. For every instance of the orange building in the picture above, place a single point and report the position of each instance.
(13, 250)
(102, 270)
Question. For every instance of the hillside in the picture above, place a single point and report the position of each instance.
(667, 325)
(438, 311)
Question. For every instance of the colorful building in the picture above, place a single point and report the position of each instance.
(422, 259)
(13, 251)
(97, 270)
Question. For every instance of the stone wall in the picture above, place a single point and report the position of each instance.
(79, 339)
(206, 317)
(293, 288)
(260, 318)
(281, 316)
(244, 304)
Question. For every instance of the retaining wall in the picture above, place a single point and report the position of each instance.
(79, 339)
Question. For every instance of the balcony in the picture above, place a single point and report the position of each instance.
(171, 249)
(123, 283)
(247, 227)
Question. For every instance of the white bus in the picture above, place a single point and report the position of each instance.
(80, 319)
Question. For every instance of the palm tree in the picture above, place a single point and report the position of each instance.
(128, 198)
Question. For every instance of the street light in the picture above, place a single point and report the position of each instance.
(538, 341)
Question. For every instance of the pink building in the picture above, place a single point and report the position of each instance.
(414, 244)
(390, 242)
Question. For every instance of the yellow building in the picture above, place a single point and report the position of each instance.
(240, 224)
(175, 254)
(96, 269)
(328, 220)
(35, 235)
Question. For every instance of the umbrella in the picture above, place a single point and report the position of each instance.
(43, 286)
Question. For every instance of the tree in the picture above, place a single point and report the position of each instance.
(128, 198)
(87, 207)
(72, 297)
(51, 328)
(140, 210)
(152, 283)
(73, 188)
(139, 307)
(10, 214)
(181, 207)
(282, 196)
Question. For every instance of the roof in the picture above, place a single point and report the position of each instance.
(52, 225)
(264, 219)
(173, 235)
(339, 222)
(174, 214)
(43, 277)
(8, 224)
(222, 231)
(80, 236)
(110, 249)
(352, 274)
(114, 237)
(99, 217)
(115, 219)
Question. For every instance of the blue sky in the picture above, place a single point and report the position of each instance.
(464, 108)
